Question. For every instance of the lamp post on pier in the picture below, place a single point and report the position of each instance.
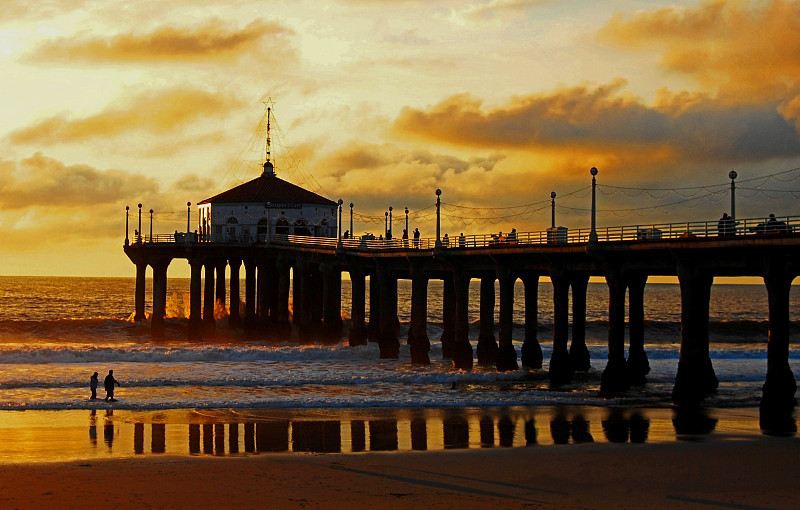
(339, 226)
(127, 213)
(390, 222)
(438, 218)
(386, 224)
(151, 225)
(553, 209)
(188, 217)
(593, 232)
(406, 220)
(139, 232)
(351, 219)
(733, 176)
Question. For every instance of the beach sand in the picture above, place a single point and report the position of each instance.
(749, 473)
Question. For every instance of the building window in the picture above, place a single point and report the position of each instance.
(263, 229)
(231, 228)
(301, 227)
(282, 227)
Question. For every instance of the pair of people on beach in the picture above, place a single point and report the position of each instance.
(108, 384)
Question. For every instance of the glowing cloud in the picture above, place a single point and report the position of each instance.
(210, 41)
(744, 50)
(604, 118)
(158, 111)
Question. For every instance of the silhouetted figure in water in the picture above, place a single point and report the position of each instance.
(108, 384)
(93, 386)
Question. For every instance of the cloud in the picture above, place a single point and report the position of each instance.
(45, 202)
(742, 50)
(159, 112)
(496, 10)
(211, 41)
(605, 119)
(373, 157)
(39, 181)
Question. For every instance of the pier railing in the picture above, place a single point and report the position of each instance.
(554, 236)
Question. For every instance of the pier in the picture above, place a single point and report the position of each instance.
(625, 257)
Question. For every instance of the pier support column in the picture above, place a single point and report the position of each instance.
(358, 289)
(487, 345)
(638, 364)
(159, 298)
(374, 325)
(615, 376)
(448, 318)
(506, 354)
(578, 352)
(249, 294)
(778, 397)
(695, 378)
(317, 302)
(141, 271)
(462, 349)
(283, 328)
(195, 299)
(531, 352)
(209, 324)
(418, 341)
(560, 367)
(388, 341)
(234, 318)
(332, 307)
(303, 300)
(219, 293)
(262, 291)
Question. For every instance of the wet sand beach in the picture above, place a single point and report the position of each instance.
(570, 457)
(758, 473)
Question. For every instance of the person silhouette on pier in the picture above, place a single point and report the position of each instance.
(726, 226)
(416, 238)
(93, 386)
(108, 384)
(446, 241)
(462, 241)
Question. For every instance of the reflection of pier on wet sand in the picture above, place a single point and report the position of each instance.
(240, 433)
(473, 458)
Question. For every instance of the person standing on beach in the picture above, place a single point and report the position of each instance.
(93, 386)
(108, 384)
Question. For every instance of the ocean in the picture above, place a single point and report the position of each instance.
(246, 395)
(55, 332)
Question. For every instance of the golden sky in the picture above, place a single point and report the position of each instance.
(497, 102)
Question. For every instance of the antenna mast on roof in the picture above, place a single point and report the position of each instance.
(269, 168)
(269, 104)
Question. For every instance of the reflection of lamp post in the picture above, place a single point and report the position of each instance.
(151, 225)
(351, 219)
(406, 220)
(593, 232)
(139, 232)
(339, 226)
(390, 221)
(127, 213)
(733, 176)
(553, 209)
(188, 216)
(438, 218)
